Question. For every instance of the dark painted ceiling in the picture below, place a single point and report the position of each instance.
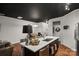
(36, 12)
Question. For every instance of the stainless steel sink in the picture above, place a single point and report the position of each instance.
(48, 39)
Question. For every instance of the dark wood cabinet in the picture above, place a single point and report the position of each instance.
(44, 51)
(53, 47)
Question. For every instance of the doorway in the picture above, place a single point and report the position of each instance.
(56, 28)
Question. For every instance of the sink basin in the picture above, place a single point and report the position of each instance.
(48, 39)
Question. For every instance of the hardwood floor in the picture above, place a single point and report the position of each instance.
(65, 51)
(62, 51)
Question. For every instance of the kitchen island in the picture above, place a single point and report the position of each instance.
(34, 50)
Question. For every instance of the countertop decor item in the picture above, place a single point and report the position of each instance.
(34, 40)
(27, 29)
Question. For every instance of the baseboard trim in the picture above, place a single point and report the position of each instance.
(69, 47)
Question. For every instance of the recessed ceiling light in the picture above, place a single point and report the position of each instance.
(19, 17)
(67, 6)
(35, 25)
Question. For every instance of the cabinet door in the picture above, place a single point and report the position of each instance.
(54, 47)
(44, 51)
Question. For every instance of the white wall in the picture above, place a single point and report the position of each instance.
(11, 29)
(42, 27)
(67, 36)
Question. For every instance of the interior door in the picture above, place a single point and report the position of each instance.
(56, 28)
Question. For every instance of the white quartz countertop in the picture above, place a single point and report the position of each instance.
(41, 44)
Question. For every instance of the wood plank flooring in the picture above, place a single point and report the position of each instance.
(65, 51)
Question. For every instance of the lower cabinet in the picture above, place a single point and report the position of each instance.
(44, 51)
(53, 47)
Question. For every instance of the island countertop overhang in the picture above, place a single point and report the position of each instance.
(42, 44)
